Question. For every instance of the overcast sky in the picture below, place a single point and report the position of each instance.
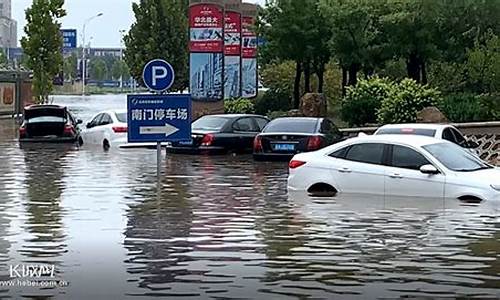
(104, 31)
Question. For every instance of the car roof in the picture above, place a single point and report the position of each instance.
(416, 126)
(298, 119)
(412, 140)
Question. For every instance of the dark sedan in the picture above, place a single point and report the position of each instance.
(49, 123)
(218, 134)
(284, 137)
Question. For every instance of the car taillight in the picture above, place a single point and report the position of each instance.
(314, 143)
(22, 131)
(257, 144)
(208, 140)
(294, 164)
(69, 129)
(120, 129)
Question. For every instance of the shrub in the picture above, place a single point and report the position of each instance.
(408, 99)
(277, 114)
(239, 106)
(361, 103)
(462, 107)
(273, 100)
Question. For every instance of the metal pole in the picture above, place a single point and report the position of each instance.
(158, 160)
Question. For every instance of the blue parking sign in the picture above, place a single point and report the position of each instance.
(158, 75)
(159, 118)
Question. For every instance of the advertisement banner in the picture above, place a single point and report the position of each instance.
(7, 97)
(206, 76)
(249, 67)
(232, 33)
(206, 23)
(232, 77)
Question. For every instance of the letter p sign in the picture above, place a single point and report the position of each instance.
(158, 75)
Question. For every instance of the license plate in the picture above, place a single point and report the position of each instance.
(186, 143)
(283, 147)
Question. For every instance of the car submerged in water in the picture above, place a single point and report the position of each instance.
(49, 124)
(395, 166)
(220, 134)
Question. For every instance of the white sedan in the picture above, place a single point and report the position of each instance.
(107, 128)
(393, 165)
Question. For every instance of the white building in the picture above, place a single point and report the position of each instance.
(8, 26)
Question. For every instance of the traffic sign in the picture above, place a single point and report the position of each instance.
(158, 75)
(159, 118)
(69, 38)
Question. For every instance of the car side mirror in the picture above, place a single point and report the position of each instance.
(79, 121)
(89, 126)
(429, 170)
(471, 145)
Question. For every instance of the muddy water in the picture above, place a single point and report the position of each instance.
(224, 227)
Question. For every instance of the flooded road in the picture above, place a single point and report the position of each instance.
(224, 227)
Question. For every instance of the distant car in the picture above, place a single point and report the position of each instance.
(282, 138)
(217, 134)
(438, 131)
(107, 128)
(49, 123)
(395, 166)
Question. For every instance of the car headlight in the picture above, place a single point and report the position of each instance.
(496, 187)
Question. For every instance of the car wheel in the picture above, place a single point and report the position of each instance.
(322, 190)
(106, 145)
(470, 199)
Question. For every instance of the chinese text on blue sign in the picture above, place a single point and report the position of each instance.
(69, 38)
(159, 118)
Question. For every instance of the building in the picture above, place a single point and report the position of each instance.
(8, 26)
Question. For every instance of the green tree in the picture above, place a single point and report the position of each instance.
(70, 66)
(160, 31)
(483, 66)
(42, 44)
(3, 58)
(98, 69)
(120, 69)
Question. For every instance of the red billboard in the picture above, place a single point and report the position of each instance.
(232, 33)
(249, 45)
(206, 23)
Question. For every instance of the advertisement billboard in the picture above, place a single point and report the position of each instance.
(232, 49)
(7, 97)
(206, 76)
(249, 72)
(206, 21)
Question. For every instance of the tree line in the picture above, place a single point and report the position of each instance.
(429, 41)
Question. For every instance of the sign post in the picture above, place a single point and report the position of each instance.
(159, 117)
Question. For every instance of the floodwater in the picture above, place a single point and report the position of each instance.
(224, 227)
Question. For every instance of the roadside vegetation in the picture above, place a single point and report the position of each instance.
(381, 61)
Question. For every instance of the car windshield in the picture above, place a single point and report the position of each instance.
(209, 123)
(292, 126)
(414, 131)
(455, 157)
(46, 119)
(122, 117)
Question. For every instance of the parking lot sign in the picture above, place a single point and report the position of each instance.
(158, 75)
(159, 118)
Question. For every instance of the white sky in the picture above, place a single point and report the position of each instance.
(105, 31)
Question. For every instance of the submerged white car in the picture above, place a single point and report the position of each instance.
(395, 165)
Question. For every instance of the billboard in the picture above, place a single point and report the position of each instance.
(249, 71)
(206, 80)
(206, 23)
(232, 49)
(206, 46)
(7, 97)
(69, 38)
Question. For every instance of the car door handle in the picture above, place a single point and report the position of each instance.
(396, 175)
(345, 170)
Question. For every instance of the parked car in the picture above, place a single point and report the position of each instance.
(282, 138)
(392, 165)
(107, 128)
(438, 131)
(49, 123)
(215, 134)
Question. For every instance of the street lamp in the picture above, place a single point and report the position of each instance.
(84, 59)
(122, 33)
